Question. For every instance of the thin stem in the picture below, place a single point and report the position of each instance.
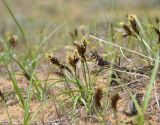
(88, 74)
(16, 21)
(84, 73)
(67, 83)
(129, 50)
(78, 84)
(9, 116)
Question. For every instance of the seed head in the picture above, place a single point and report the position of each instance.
(56, 62)
(13, 40)
(81, 48)
(133, 23)
(73, 59)
(99, 60)
(127, 30)
(157, 20)
(1, 95)
(74, 34)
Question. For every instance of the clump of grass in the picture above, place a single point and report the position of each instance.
(132, 29)
(80, 86)
(149, 48)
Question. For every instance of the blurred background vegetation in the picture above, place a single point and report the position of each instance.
(65, 15)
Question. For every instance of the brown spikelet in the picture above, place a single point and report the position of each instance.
(72, 60)
(158, 33)
(157, 20)
(56, 62)
(99, 60)
(114, 100)
(133, 23)
(81, 48)
(156, 30)
(127, 30)
(98, 97)
(1, 95)
(74, 34)
(13, 40)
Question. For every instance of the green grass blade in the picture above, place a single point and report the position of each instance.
(15, 85)
(9, 116)
(75, 103)
(27, 102)
(16, 21)
(150, 87)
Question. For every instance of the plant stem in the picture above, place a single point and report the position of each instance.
(16, 21)
(67, 83)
